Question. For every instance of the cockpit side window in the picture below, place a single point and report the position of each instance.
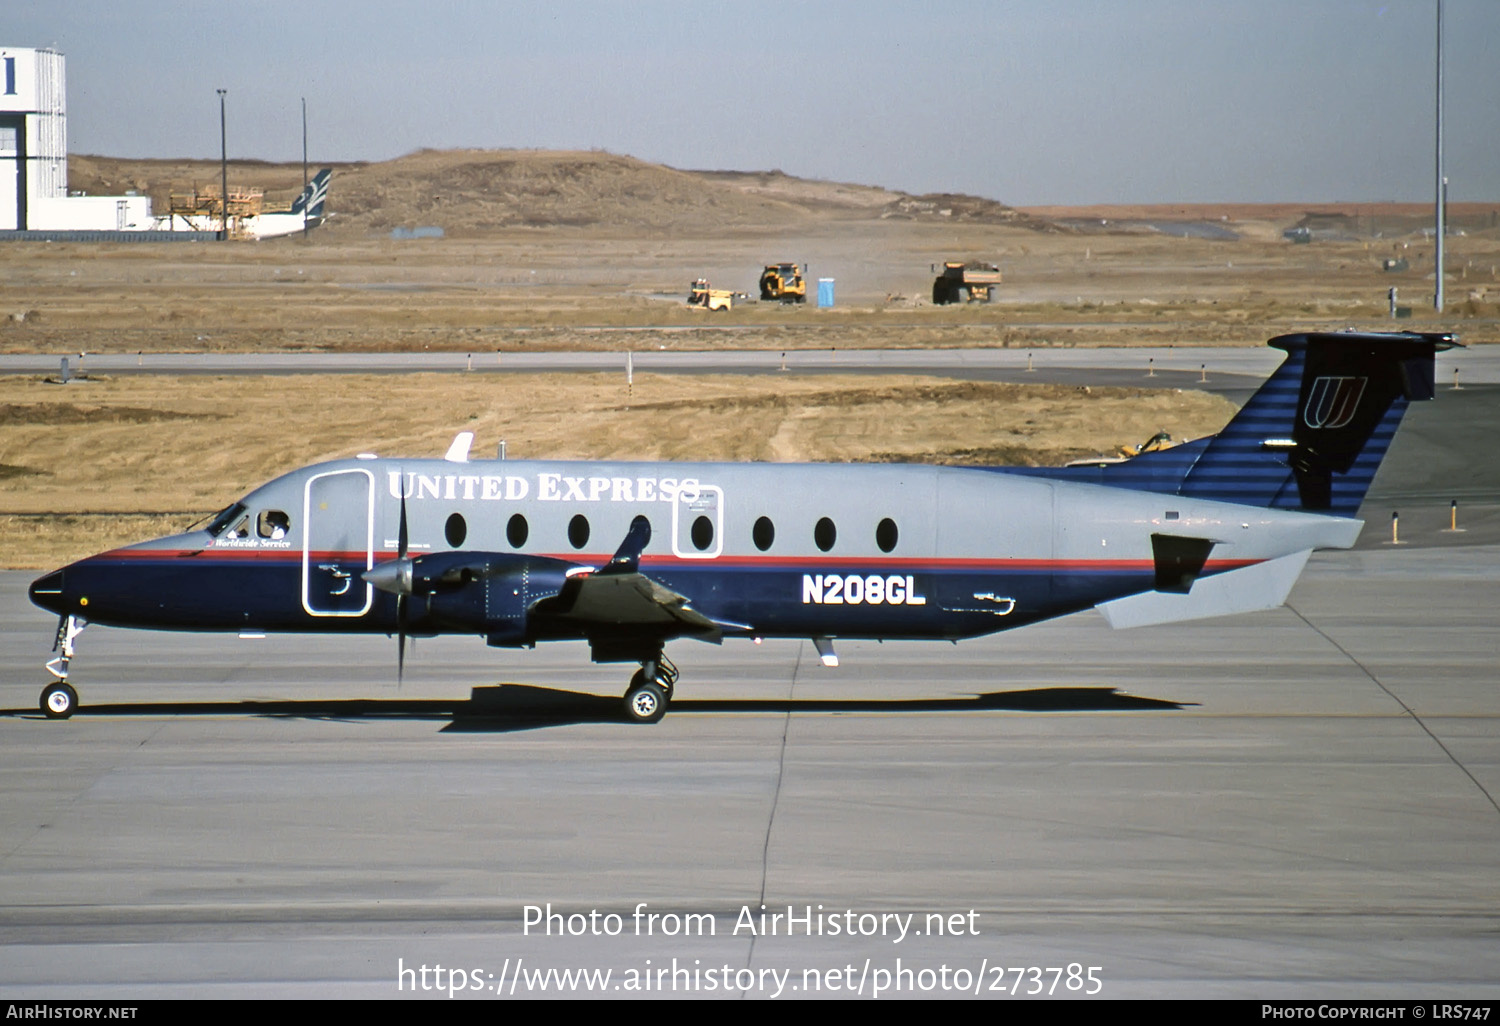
(224, 518)
(273, 524)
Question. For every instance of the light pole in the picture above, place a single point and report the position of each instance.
(223, 171)
(304, 167)
(1441, 216)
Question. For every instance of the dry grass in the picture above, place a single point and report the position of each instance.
(157, 453)
(595, 251)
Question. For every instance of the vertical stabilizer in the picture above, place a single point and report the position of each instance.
(1314, 434)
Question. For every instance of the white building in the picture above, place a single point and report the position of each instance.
(34, 154)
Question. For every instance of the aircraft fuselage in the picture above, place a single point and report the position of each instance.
(869, 551)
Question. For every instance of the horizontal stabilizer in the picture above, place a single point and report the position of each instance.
(1262, 586)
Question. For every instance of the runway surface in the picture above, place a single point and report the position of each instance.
(1172, 367)
(1300, 803)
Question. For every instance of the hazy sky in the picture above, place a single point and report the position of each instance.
(1025, 101)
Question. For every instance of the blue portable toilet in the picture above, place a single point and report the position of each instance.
(825, 292)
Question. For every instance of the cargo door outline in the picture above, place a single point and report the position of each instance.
(333, 514)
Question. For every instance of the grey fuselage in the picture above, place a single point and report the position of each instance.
(845, 550)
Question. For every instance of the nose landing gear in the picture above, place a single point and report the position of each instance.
(59, 700)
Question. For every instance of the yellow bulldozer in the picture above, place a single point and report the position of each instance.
(700, 295)
(1156, 443)
(783, 283)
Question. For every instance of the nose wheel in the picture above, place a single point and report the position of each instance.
(650, 690)
(59, 700)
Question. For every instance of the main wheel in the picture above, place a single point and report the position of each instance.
(59, 700)
(645, 702)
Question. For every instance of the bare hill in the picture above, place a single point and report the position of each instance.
(475, 192)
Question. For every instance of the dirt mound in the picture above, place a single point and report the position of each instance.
(478, 192)
(954, 206)
(466, 192)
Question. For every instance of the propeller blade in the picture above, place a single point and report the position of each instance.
(402, 538)
(401, 535)
(401, 601)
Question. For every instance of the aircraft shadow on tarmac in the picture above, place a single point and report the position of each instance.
(512, 707)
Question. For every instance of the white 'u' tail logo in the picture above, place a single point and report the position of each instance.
(1332, 401)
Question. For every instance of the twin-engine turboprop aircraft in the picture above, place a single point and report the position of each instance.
(630, 556)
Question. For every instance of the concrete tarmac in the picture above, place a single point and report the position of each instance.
(1170, 366)
(1291, 804)
(1295, 804)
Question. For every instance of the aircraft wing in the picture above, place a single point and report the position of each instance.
(631, 599)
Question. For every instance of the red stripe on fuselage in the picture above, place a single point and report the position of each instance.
(788, 563)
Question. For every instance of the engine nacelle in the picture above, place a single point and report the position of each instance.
(489, 593)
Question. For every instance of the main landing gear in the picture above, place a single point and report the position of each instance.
(650, 690)
(59, 700)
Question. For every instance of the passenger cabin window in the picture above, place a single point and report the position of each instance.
(455, 530)
(516, 531)
(578, 531)
(763, 533)
(824, 534)
(886, 534)
(273, 524)
(703, 533)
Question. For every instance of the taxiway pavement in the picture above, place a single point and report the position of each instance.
(1298, 803)
(1292, 804)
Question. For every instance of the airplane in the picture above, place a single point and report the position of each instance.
(629, 556)
(306, 211)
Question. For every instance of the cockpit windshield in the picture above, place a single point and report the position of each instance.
(224, 518)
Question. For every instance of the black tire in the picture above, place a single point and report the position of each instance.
(59, 700)
(645, 702)
(940, 292)
(639, 678)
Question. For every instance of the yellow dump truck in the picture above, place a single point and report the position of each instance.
(783, 283)
(980, 282)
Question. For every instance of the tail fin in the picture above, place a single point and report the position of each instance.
(313, 196)
(1314, 434)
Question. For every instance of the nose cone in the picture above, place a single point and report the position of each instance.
(47, 592)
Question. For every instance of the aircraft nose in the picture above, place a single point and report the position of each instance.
(47, 591)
